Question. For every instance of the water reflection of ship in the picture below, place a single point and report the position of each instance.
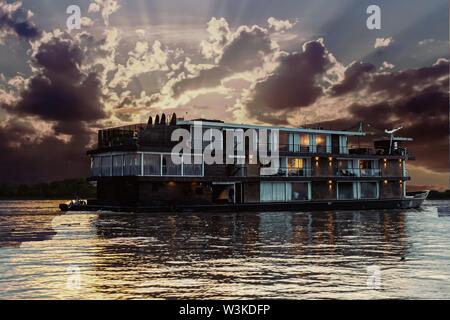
(217, 236)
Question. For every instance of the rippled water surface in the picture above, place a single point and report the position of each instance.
(372, 254)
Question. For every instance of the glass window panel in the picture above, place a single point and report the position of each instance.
(106, 166)
(343, 144)
(345, 190)
(295, 163)
(304, 140)
(288, 191)
(346, 168)
(169, 168)
(298, 191)
(266, 191)
(368, 190)
(320, 140)
(152, 164)
(132, 164)
(117, 165)
(296, 166)
(279, 191)
(294, 142)
(96, 165)
(191, 169)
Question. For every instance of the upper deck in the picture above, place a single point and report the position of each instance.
(156, 137)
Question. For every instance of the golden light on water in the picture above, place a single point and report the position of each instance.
(227, 255)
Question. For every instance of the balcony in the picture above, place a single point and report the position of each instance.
(311, 148)
(358, 172)
(308, 172)
(292, 172)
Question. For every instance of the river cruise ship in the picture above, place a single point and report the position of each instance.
(317, 169)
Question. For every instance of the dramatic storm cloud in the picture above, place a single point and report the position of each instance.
(415, 98)
(245, 51)
(354, 76)
(59, 98)
(27, 160)
(60, 91)
(296, 82)
(15, 20)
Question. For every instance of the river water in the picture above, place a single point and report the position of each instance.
(315, 255)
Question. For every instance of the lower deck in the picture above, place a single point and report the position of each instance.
(134, 191)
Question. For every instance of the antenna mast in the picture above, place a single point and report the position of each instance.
(391, 136)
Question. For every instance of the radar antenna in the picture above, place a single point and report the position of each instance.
(391, 136)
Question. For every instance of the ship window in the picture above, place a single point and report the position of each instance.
(294, 142)
(346, 190)
(369, 168)
(295, 163)
(296, 167)
(273, 191)
(368, 190)
(320, 140)
(266, 191)
(169, 168)
(284, 141)
(279, 191)
(298, 142)
(297, 191)
(190, 168)
(96, 163)
(106, 166)
(152, 164)
(132, 165)
(343, 144)
(304, 141)
(346, 168)
(117, 165)
(321, 143)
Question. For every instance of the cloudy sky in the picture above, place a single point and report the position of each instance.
(290, 62)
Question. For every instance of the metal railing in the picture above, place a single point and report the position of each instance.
(311, 148)
(293, 172)
(356, 172)
(310, 172)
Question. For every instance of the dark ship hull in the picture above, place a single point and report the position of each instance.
(412, 201)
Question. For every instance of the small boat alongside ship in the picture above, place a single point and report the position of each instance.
(318, 169)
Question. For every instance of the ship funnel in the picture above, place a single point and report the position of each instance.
(173, 120)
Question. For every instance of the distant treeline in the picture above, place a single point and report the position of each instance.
(439, 195)
(66, 189)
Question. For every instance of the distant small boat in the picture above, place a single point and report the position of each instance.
(73, 205)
